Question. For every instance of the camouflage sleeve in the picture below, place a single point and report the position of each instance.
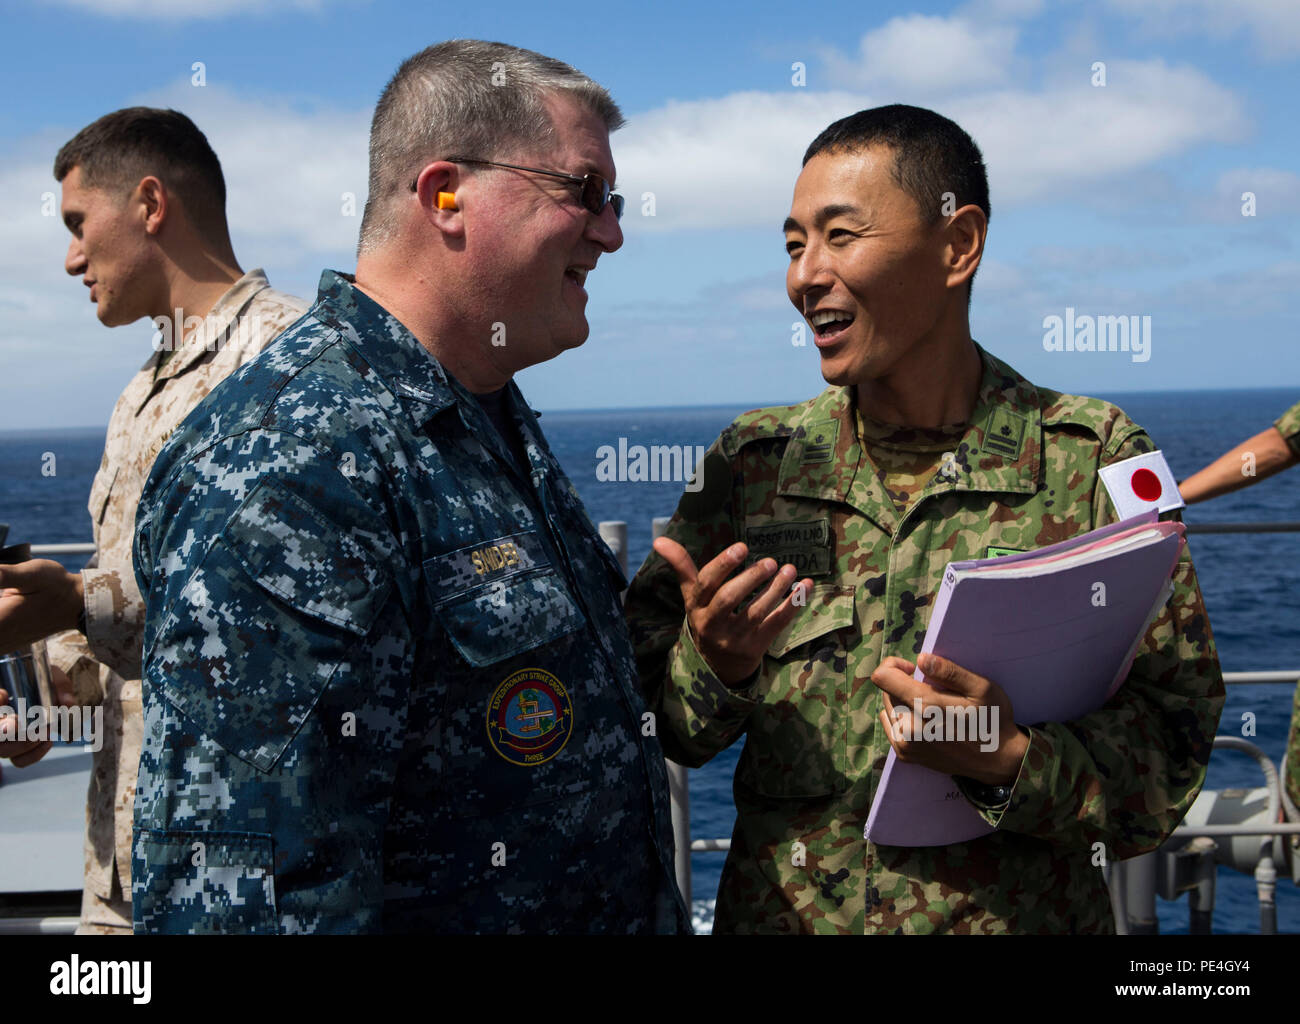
(69, 652)
(277, 671)
(114, 619)
(1292, 780)
(1126, 774)
(697, 714)
(1288, 425)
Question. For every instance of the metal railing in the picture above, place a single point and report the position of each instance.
(615, 535)
(46, 550)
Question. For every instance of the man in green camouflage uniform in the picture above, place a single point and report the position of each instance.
(387, 684)
(1288, 425)
(1257, 458)
(925, 449)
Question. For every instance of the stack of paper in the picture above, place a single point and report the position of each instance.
(1057, 629)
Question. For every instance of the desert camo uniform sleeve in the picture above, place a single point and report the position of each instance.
(1125, 775)
(69, 652)
(114, 606)
(700, 715)
(114, 620)
(274, 688)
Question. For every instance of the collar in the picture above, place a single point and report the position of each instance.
(422, 384)
(388, 347)
(215, 329)
(999, 453)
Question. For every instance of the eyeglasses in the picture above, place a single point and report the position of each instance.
(594, 194)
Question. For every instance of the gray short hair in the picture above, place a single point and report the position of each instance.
(464, 97)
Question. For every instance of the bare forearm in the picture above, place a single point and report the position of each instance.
(1251, 461)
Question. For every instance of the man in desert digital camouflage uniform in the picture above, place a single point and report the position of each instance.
(925, 449)
(144, 198)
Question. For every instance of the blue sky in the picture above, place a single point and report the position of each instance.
(1122, 199)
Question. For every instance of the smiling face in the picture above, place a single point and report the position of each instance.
(109, 250)
(866, 269)
(532, 243)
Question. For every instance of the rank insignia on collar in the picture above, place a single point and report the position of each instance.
(819, 441)
(1003, 433)
(530, 717)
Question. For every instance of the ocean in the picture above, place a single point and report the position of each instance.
(1250, 582)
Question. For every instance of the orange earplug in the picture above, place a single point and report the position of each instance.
(447, 201)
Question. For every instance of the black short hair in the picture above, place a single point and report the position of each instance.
(932, 155)
(119, 149)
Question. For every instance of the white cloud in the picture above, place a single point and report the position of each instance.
(727, 162)
(286, 170)
(1042, 144)
(924, 54)
(732, 162)
(1274, 25)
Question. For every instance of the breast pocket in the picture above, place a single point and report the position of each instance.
(500, 597)
(515, 679)
(796, 739)
(255, 634)
(205, 883)
(100, 491)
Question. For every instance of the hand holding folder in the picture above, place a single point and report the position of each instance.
(974, 715)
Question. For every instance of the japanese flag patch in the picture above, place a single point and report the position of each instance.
(1141, 484)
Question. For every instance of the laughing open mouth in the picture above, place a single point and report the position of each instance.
(826, 322)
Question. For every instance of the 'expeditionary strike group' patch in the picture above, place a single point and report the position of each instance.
(530, 717)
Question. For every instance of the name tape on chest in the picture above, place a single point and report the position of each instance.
(805, 545)
(494, 557)
(1141, 484)
(485, 562)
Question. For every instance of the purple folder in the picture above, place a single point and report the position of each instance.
(1057, 629)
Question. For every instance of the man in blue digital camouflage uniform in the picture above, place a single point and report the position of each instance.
(387, 684)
